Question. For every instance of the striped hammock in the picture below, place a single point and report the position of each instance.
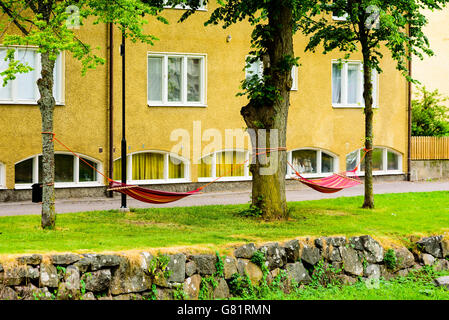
(331, 184)
(149, 195)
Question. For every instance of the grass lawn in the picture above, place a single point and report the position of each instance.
(396, 217)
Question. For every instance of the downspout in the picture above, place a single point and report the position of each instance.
(111, 104)
(409, 114)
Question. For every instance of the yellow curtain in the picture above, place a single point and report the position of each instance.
(205, 167)
(175, 168)
(229, 163)
(117, 169)
(148, 166)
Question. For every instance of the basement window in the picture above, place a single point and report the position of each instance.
(385, 161)
(70, 171)
(228, 164)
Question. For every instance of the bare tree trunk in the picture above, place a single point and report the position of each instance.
(268, 186)
(46, 105)
(368, 97)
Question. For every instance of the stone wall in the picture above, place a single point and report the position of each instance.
(429, 169)
(190, 276)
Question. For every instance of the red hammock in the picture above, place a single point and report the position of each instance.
(331, 184)
(148, 195)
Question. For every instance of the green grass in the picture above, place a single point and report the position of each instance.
(418, 285)
(396, 216)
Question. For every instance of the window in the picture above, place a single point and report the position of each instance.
(69, 171)
(314, 162)
(152, 167)
(24, 90)
(347, 85)
(256, 68)
(176, 80)
(185, 7)
(385, 161)
(228, 164)
(2, 176)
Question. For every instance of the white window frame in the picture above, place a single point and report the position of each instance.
(294, 74)
(74, 184)
(344, 85)
(59, 74)
(385, 171)
(183, 103)
(291, 174)
(245, 177)
(203, 7)
(2, 176)
(166, 179)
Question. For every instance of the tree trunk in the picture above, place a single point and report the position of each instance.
(269, 121)
(368, 202)
(46, 105)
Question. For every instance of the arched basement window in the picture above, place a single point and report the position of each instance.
(227, 164)
(312, 162)
(153, 167)
(69, 171)
(385, 161)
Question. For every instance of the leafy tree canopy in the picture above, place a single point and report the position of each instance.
(430, 117)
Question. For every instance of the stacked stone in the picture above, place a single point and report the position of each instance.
(100, 276)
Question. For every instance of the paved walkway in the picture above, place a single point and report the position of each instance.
(238, 197)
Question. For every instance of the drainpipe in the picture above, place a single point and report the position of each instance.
(409, 115)
(111, 104)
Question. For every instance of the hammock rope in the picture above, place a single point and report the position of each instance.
(330, 184)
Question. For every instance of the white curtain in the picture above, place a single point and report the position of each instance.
(336, 83)
(174, 79)
(194, 79)
(5, 92)
(353, 76)
(26, 82)
(155, 78)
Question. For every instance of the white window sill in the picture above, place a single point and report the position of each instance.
(185, 105)
(310, 175)
(350, 106)
(160, 181)
(2, 188)
(382, 173)
(27, 103)
(60, 185)
(343, 18)
(225, 179)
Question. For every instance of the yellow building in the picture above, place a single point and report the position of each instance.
(182, 113)
(433, 72)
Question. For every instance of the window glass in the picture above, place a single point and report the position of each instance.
(147, 166)
(26, 82)
(175, 168)
(174, 79)
(205, 167)
(229, 163)
(63, 168)
(24, 171)
(155, 78)
(327, 163)
(86, 173)
(393, 161)
(377, 155)
(336, 83)
(353, 83)
(351, 160)
(5, 92)
(305, 161)
(117, 170)
(253, 69)
(193, 79)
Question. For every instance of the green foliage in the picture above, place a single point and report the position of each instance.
(252, 212)
(325, 275)
(207, 286)
(179, 294)
(158, 266)
(390, 259)
(219, 266)
(241, 286)
(429, 116)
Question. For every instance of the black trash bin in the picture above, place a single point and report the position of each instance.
(37, 192)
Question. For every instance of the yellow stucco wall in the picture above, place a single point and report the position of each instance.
(82, 122)
(433, 72)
